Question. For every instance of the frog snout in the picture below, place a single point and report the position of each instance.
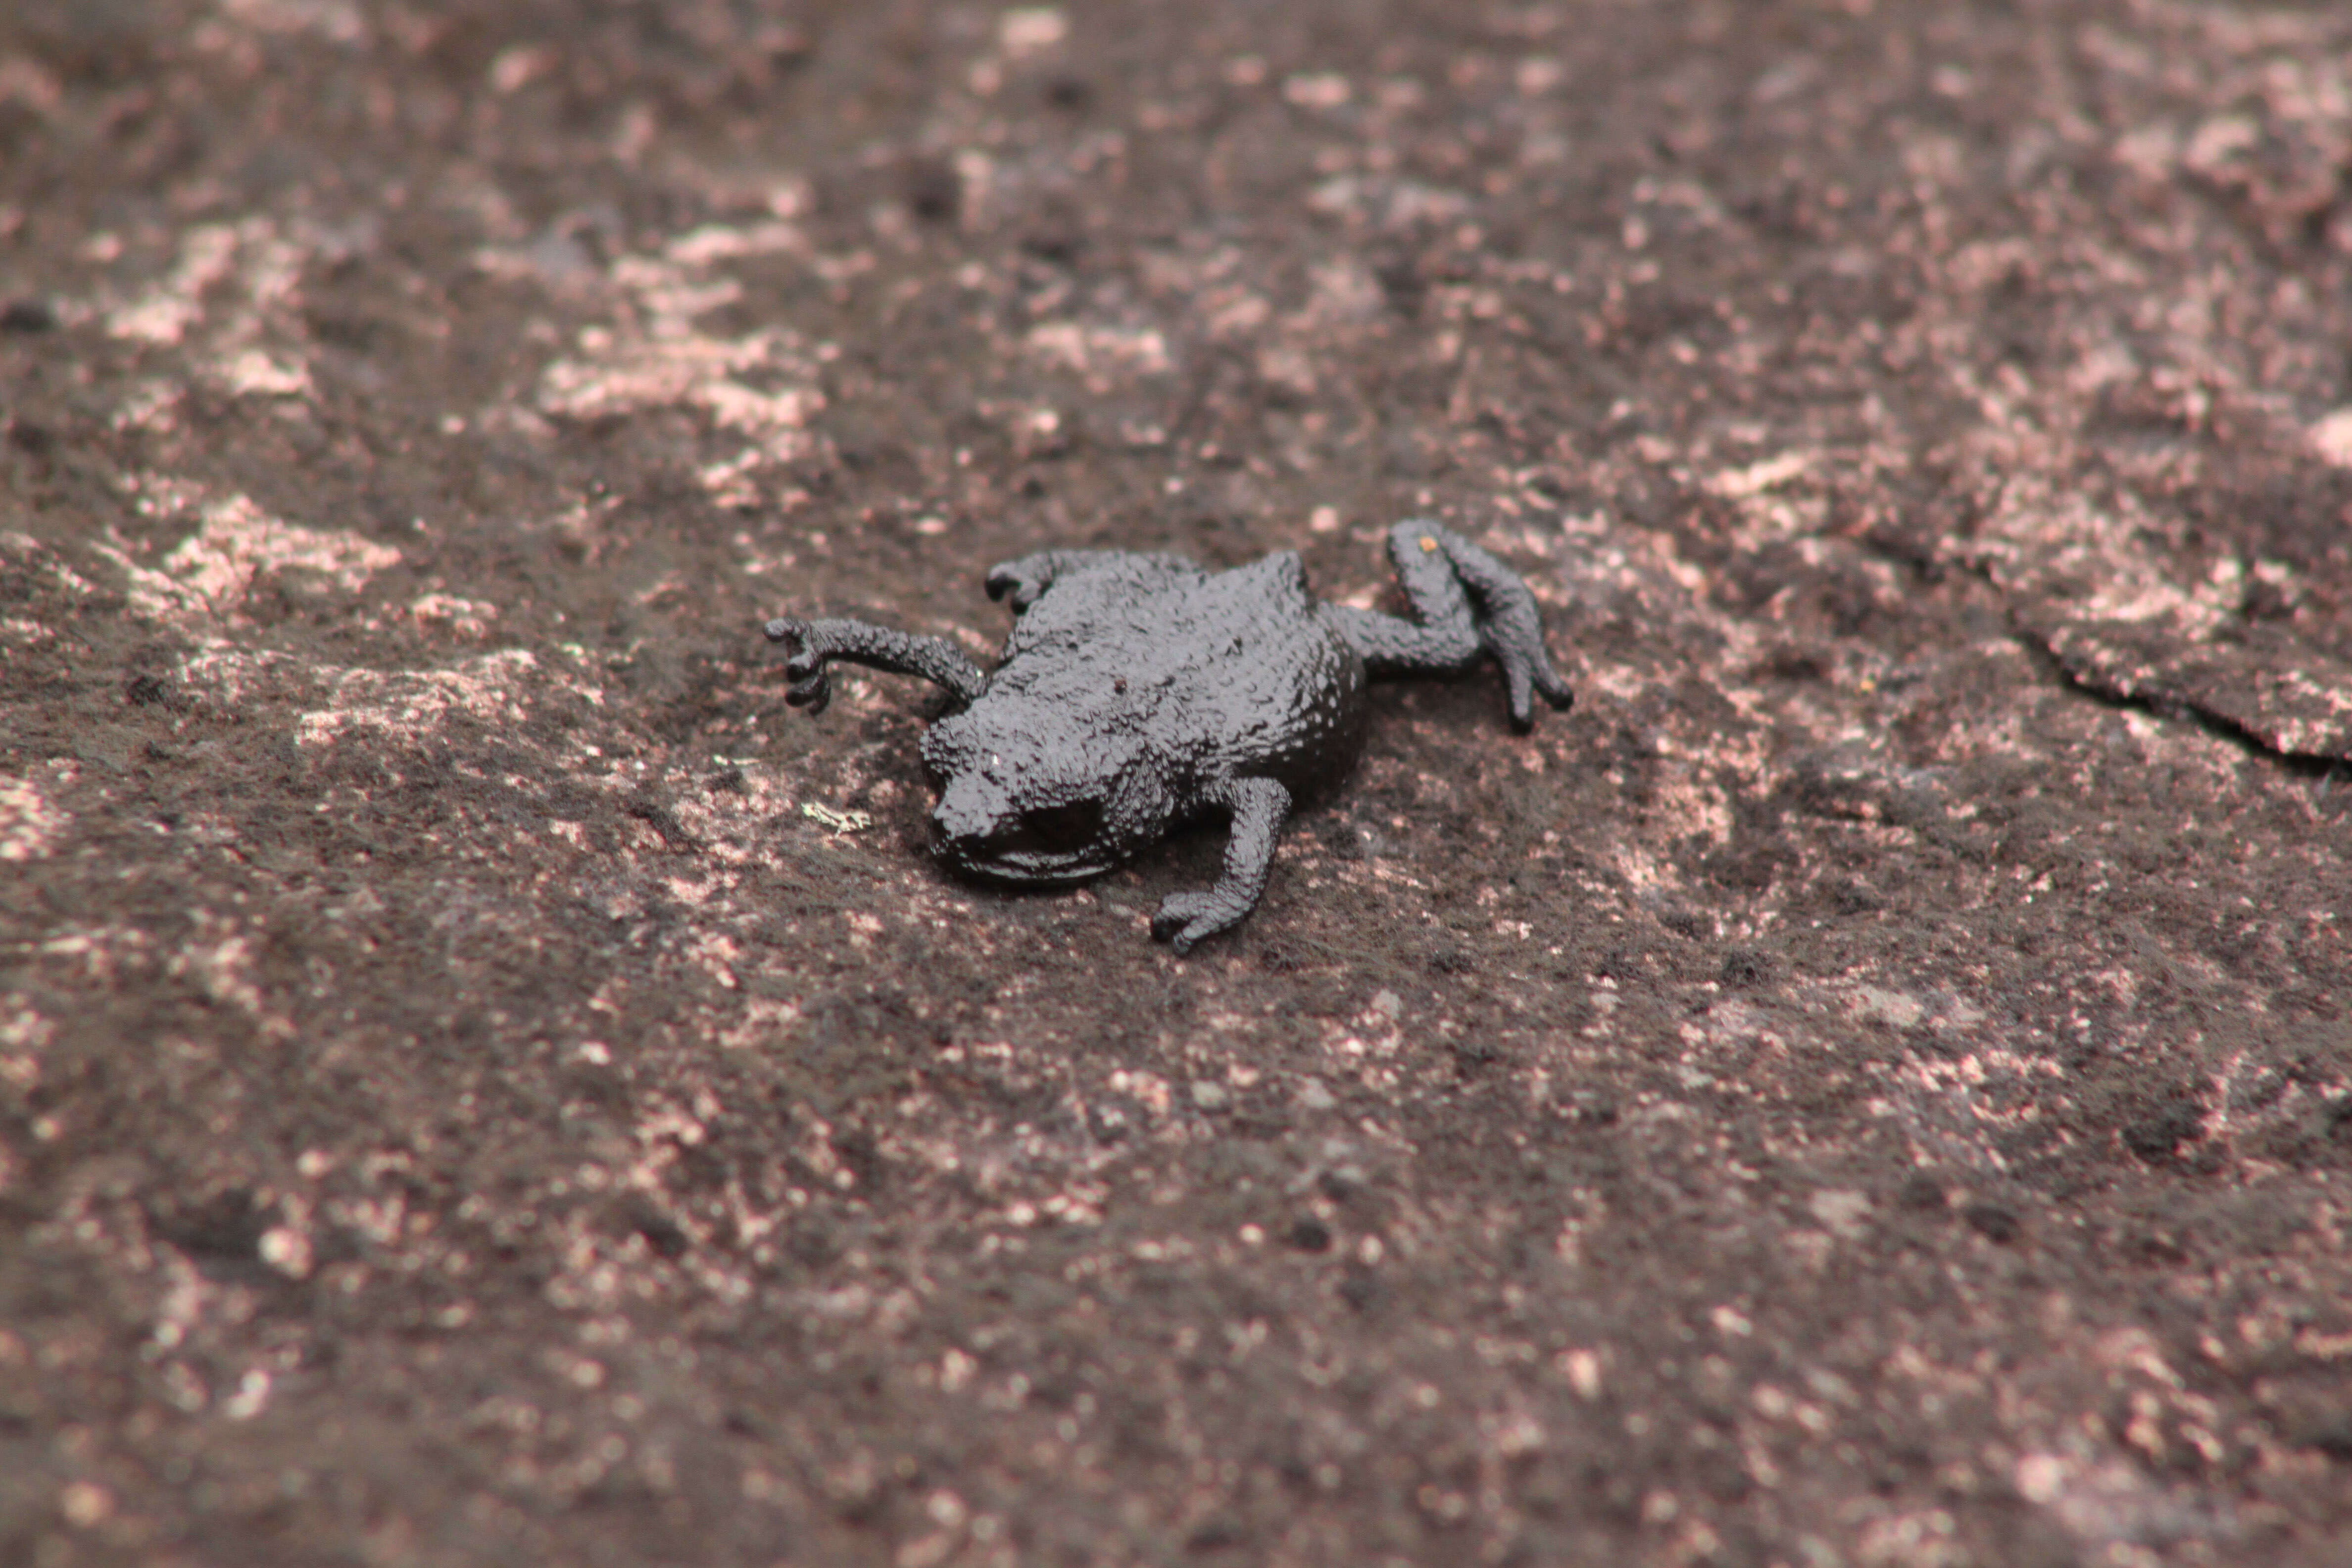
(955, 821)
(943, 836)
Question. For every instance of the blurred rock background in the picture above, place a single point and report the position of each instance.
(480, 1082)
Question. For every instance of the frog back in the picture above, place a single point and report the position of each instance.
(1219, 677)
(1282, 693)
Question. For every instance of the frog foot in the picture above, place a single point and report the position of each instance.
(1184, 919)
(1024, 580)
(1466, 605)
(1527, 670)
(1502, 610)
(1258, 807)
(811, 687)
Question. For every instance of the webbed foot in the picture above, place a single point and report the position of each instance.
(1023, 579)
(1502, 611)
(1258, 807)
(1465, 603)
(811, 687)
(1184, 919)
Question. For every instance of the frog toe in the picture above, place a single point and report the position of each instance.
(812, 693)
(807, 644)
(1023, 588)
(1526, 673)
(1185, 919)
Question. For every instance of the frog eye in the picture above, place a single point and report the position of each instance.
(1073, 825)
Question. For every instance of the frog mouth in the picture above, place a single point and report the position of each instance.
(1018, 865)
(1025, 870)
(1045, 845)
(1042, 848)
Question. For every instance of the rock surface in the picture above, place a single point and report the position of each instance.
(481, 1082)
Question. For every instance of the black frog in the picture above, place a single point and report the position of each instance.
(1138, 692)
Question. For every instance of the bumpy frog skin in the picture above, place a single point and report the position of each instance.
(1139, 692)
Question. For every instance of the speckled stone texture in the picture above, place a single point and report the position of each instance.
(481, 1082)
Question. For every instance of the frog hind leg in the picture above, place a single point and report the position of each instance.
(1465, 604)
(1259, 807)
(820, 643)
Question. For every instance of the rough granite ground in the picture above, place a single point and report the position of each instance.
(480, 1082)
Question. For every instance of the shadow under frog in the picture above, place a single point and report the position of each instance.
(1139, 692)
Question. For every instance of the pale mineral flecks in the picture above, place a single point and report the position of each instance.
(231, 293)
(1027, 30)
(1102, 355)
(336, 21)
(652, 354)
(168, 307)
(412, 704)
(2331, 438)
(31, 822)
(239, 545)
(464, 617)
(203, 583)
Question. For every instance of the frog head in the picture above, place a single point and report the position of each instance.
(1017, 806)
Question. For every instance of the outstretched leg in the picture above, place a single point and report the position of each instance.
(1258, 807)
(1467, 603)
(877, 647)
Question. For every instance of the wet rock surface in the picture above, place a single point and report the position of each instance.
(480, 1082)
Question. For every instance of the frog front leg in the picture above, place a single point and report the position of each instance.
(878, 648)
(1467, 603)
(1027, 577)
(1259, 807)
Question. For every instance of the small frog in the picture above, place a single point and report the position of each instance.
(1139, 692)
